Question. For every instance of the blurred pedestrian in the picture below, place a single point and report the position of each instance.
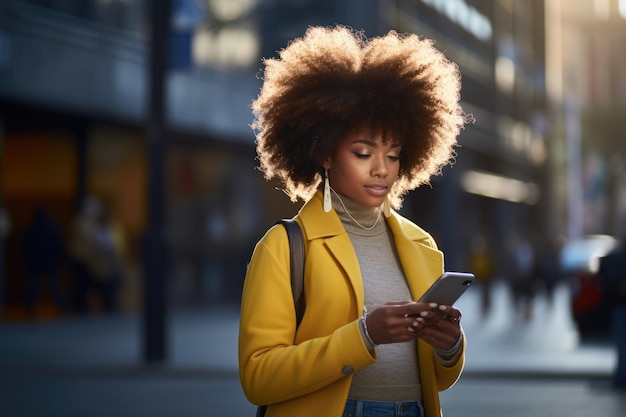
(98, 250)
(523, 276)
(44, 251)
(350, 125)
(481, 264)
(548, 267)
(612, 273)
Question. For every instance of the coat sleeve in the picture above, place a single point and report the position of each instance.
(272, 368)
(448, 374)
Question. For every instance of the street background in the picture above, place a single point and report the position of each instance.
(91, 367)
(141, 109)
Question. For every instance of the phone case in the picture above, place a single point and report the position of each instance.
(448, 288)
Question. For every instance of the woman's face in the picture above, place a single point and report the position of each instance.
(363, 168)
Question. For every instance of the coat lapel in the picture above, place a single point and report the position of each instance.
(421, 261)
(340, 247)
(327, 227)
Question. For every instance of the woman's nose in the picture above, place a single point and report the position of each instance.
(380, 168)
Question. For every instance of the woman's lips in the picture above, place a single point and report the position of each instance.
(379, 190)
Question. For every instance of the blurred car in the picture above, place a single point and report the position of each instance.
(579, 261)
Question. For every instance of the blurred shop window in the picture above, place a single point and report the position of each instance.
(43, 246)
(117, 172)
(37, 170)
(98, 249)
(215, 213)
(121, 14)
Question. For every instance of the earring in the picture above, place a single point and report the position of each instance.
(328, 205)
(386, 207)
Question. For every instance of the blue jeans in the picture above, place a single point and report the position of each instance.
(358, 408)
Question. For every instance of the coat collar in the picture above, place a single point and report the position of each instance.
(319, 224)
(421, 261)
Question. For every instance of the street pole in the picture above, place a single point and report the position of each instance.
(4, 231)
(559, 215)
(575, 200)
(154, 302)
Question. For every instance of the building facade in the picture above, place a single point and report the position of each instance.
(588, 96)
(73, 112)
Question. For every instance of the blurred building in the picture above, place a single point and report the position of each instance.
(587, 96)
(73, 110)
(497, 186)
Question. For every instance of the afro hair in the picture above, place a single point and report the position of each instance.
(334, 80)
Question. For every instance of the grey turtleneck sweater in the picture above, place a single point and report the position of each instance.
(395, 375)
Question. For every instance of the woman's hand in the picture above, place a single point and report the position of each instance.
(404, 321)
(439, 326)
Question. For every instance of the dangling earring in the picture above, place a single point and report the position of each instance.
(328, 205)
(386, 207)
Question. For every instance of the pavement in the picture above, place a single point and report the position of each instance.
(92, 366)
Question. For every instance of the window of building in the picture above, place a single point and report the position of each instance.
(622, 8)
(121, 14)
(225, 35)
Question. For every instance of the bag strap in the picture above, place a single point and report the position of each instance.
(296, 260)
(296, 268)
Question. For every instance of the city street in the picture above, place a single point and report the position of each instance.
(147, 146)
(92, 367)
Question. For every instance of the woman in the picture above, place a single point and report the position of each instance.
(350, 125)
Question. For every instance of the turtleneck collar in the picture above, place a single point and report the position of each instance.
(365, 215)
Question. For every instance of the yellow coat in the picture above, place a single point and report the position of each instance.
(308, 372)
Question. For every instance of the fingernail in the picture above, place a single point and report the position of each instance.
(433, 305)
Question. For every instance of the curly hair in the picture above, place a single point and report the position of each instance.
(334, 80)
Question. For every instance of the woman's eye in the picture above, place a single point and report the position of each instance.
(393, 158)
(361, 155)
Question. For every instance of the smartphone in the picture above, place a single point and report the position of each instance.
(448, 288)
